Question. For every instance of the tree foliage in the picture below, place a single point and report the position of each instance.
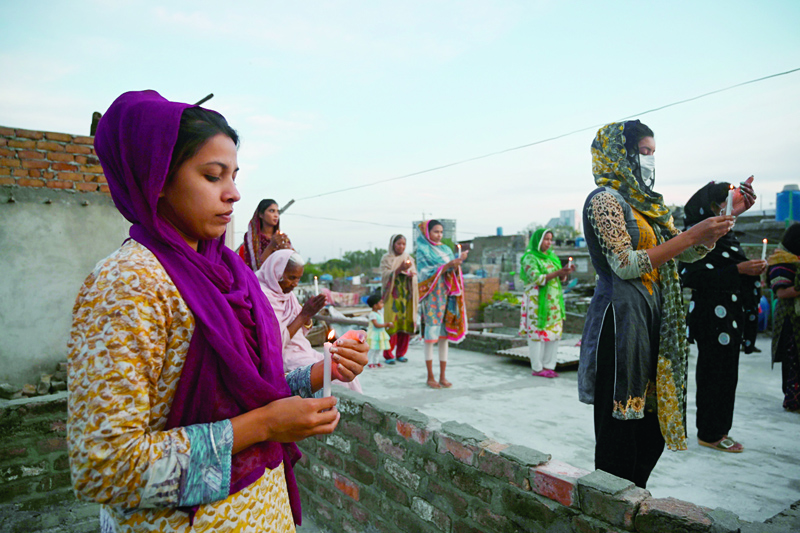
(351, 264)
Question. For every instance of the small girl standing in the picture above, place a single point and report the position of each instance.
(377, 337)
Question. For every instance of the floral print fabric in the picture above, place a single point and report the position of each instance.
(554, 325)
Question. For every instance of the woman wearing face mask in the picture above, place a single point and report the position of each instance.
(400, 297)
(634, 352)
(543, 311)
(263, 235)
(722, 317)
(441, 296)
(279, 275)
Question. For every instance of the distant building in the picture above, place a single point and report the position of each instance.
(566, 218)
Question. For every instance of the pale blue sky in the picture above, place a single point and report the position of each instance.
(333, 94)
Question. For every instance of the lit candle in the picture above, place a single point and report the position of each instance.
(326, 366)
(569, 263)
(764, 250)
(459, 250)
(316, 286)
(729, 203)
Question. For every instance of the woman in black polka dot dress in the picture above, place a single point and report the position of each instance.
(723, 316)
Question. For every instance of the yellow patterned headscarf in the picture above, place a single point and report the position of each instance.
(612, 168)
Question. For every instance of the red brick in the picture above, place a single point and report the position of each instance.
(48, 175)
(4, 171)
(92, 169)
(25, 182)
(4, 152)
(6, 131)
(30, 154)
(104, 188)
(461, 453)
(410, 431)
(53, 136)
(388, 447)
(20, 173)
(50, 146)
(72, 176)
(55, 184)
(29, 134)
(81, 159)
(78, 149)
(9, 162)
(65, 166)
(81, 186)
(346, 486)
(7, 181)
(35, 164)
(61, 157)
(100, 178)
(558, 481)
(35, 173)
(82, 139)
(3, 141)
(22, 144)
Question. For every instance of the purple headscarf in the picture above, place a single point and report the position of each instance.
(234, 362)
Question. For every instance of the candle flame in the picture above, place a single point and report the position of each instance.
(331, 335)
(570, 259)
(732, 187)
(764, 241)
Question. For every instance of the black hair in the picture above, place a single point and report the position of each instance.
(791, 239)
(634, 131)
(263, 205)
(432, 223)
(373, 299)
(397, 238)
(198, 125)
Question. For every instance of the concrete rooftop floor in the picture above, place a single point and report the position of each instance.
(498, 396)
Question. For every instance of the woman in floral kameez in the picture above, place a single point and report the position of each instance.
(180, 416)
(543, 310)
(784, 278)
(441, 296)
(634, 351)
(400, 297)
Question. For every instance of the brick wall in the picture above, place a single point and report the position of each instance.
(394, 469)
(384, 469)
(47, 159)
(478, 291)
(35, 489)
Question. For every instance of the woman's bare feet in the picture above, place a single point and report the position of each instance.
(432, 383)
(444, 383)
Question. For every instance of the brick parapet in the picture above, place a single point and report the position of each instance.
(50, 160)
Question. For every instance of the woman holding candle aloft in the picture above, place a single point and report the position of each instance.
(263, 235)
(441, 296)
(400, 297)
(179, 409)
(723, 316)
(279, 276)
(542, 273)
(784, 278)
(634, 353)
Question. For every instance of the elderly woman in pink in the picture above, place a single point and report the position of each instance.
(278, 276)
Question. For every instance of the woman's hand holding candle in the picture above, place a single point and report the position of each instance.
(764, 251)
(348, 357)
(744, 198)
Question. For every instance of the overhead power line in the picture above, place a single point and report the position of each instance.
(367, 222)
(542, 141)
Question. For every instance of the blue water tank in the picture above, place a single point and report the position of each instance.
(499, 231)
(787, 205)
(580, 242)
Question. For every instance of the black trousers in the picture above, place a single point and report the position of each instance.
(628, 449)
(717, 376)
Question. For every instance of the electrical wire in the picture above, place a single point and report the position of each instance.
(366, 222)
(542, 141)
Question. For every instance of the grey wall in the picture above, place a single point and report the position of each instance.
(46, 251)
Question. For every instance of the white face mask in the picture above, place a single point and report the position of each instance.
(647, 168)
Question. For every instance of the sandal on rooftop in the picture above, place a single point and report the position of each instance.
(725, 444)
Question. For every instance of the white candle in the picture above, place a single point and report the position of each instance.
(569, 263)
(326, 370)
(459, 250)
(729, 203)
(316, 286)
(764, 250)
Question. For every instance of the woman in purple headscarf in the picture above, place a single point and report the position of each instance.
(179, 410)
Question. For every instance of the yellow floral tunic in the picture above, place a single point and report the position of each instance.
(129, 340)
(529, 322)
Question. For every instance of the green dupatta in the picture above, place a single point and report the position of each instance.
(539, 260)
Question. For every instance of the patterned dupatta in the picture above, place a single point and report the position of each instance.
(431, 259)
(390, 262)
(612, 168)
